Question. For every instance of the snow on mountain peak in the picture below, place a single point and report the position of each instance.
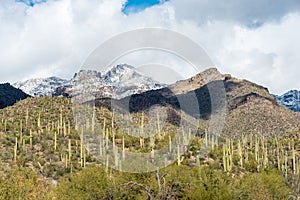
(116, 73)
(40, 86)
(290, 100)
(117, 82)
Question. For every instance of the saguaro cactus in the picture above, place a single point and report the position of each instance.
(15, 150)
(265, 158)
(5, 125)
(293, 157)
(179, 157)
(30, 138)
(93, 120)
(278, 154)
(69, 128)
(240, 153)
(39, 121)
(206, 138)
(27, 117)
(61, 119)
(224, 159)
(227, 157)
(81, 148)
(69, 150)
(142, 131)
(170, 144)
(55, 140)
(123, 147)
(100, 146)
(158, 127)
(256, 149)
(285, 164)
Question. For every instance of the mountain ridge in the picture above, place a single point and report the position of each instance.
(290, 100)
(248, 105)
(118, 81)
(122, 80)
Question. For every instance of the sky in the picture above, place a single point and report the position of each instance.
(134, 6)
(256, 40)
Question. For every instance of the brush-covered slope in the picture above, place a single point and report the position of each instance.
(41, 134)
(38, 135)
(252, 109)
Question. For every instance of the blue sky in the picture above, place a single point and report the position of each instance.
(31, 2)
(131, 6)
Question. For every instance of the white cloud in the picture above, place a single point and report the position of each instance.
(54, 38)
(267, 55)
(249, 13)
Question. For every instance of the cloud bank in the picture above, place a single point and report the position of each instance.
(255, 40)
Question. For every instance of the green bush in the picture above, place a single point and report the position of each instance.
(21, 183)
(266, 185)
(90, 183)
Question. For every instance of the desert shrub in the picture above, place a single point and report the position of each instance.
(21, 183)
(210, 184)
(90, 183)
(266, 185)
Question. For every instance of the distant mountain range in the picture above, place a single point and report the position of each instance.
(10, 95)
(123, 80)
(290, 100)
(117, 82)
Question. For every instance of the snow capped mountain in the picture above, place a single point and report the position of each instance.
(117, 82)
(126, 81)
(290, 100)
(116, 74)
(88, 82)
(40, 86)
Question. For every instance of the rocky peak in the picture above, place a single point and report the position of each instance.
(291, 100)
(85, 74)
(197, 81)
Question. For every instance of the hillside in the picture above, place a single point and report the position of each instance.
(61, 154)
(10, 95)
(252, 109)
